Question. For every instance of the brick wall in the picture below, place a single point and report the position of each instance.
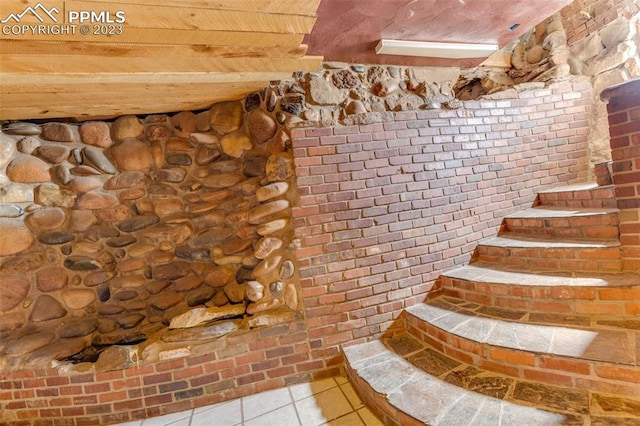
(624, 127)
(603, 13)
(383, 209)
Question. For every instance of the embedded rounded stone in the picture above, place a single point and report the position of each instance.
(184, 123)
(266, 246)
(82, 184)
(115, 358)
(254, 308)
(78, 328)
(205, 138)
(46, 308)
(266, 266)
(122, 241)
(28, 169)
(272, 227)
(10, 211)
(23, 263)
(234, 246)
(14, 290)
(85, 170)
(98, 231)
(171, 271)
(188, 283)
(211, 237)
(279, 167)
(46, 219)
(126, 180)
(132, 194)
(178, 159)
(287, 270)
(96, 133)
(119, 338)
(261, 126)
(218, 276)
(165, 300)
(93, 279)
(125, 295)
(291, 297)
(385, 87)
(110, 309)
(17, 193)
(246, 231)
(60, 351)
(293, 103)
(257, 214)
(225, 117)
(25, 145)
(157, 133)
(54, 154)
(132, 155)
(235, 292)
(126, 127)
(200, 296)
(78, 298)
(55, 237)
(130, 320)
(198, 316)
(236, 143)
(16, 237)
(252, 101)
(61, 174)
(51, 278)
(155, 287)
(97, 159)
(271, 190)
(57, 132)
(130, 265)
(276, 288)
(96, 200)
(12, 321)
(80, 263)
(137, 223)
(254, 165)
(254, 290)
(207, 154)
(22, 128)
(28, 343)
(51, 195)
(195, 254)
(201, 333)
(174, 174)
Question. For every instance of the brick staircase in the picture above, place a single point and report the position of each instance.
(541, 328)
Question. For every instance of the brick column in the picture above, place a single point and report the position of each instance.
(624, 127)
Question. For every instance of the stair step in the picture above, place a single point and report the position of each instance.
(565, 222)
(579, 254)
(505, 342)
(408, 382)
(579, 195)
(592, 297)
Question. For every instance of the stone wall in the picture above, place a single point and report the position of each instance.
(604, 43)
(381, 208)
(114, 232)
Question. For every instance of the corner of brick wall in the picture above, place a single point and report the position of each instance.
(385, 208)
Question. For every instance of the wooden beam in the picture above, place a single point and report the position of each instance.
(171, 16)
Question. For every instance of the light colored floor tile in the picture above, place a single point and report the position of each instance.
(172, 419)
(323, 407)
(368, 417)
(224, 414)
(264, 402)
(285, 416)
(352, 396)
(134, 423)
(304, 390)
(351, 419)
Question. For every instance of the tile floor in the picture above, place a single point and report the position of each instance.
(330, 402)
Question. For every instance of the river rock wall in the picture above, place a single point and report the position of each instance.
(132, 232)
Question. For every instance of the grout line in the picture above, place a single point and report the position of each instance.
(295, 408)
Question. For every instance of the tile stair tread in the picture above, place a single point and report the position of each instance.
(588, 343)
(492, 273)
(407, 389)
(572, 187)
(548, 212)
(514, 240)
(437, 390)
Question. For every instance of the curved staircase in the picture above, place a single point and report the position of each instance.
(542, 328)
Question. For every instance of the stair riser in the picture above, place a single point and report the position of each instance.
(587, 301)
(601, 226)
(553, 370)
(563, 259)
(593, 198)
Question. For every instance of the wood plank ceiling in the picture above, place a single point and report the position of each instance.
(169, 55)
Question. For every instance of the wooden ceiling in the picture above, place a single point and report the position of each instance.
(170, 55)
